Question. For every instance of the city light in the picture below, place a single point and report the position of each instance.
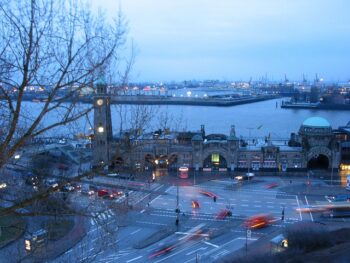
(17, 156)
(100, 129)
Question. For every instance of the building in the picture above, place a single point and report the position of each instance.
(313, 147)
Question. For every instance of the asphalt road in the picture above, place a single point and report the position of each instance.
(108, 241)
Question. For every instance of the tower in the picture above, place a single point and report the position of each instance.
(102, 125)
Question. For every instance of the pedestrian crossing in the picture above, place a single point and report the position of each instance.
(100, 217)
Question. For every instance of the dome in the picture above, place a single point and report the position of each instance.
(316, 122)
(100, 81)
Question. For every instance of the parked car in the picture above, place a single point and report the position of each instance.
(68, 188)
(102, 192)
(51, 183)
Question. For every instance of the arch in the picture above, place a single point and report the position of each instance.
(319, 162)
(215, 161)
(319, 158)
(118, 163)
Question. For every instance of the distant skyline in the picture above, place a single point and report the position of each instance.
(235, 40)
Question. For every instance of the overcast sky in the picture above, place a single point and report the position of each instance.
(237, 39)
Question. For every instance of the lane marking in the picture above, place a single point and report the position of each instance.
(210, 244)
(196, 250)
(131, 260)
(301, 217)
(312, 218)
(142, 211)
(155, 199)
(133, 233)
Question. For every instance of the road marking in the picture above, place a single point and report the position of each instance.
(312, 219)
(142, 211)
(152, 223)
(210, 244)
(155, 199)
(257, 205)
(158, 188)
(111, 212)
(138, 230)
(131, 260)
(301, 217)
(194, 251)
(68, 251)
(171, 255)
(244, 205)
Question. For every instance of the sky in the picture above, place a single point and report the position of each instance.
(237, 39)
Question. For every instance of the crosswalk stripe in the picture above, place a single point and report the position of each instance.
(112, 212)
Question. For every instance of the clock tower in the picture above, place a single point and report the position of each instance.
(102, 125)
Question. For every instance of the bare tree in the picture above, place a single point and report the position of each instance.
(59, 46)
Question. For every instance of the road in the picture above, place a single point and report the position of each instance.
(112, 236)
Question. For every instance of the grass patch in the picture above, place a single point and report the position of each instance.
(12, 227)
(58, 228)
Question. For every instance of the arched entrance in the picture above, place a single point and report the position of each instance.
(215, 161)
(118, 164)
(319, 162)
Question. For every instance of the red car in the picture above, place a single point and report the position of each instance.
(102, 192)
(258, 221)
(195, 204)
(223, 214)
(271, 185)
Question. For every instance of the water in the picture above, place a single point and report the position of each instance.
(256, 119)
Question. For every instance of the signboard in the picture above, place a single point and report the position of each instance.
(249, 233)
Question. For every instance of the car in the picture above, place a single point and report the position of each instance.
(258, 221)
(195, 204)
(68, 188)
(33, 180)
(88, 192)
(102, 192)
(109, 197)
(244, 177)
(162, 249)
(76, 186)
(93, 187)
(338, 198)
(223, 214)
(113, 175)
(51, 183)
(117, 193)
(271, 185)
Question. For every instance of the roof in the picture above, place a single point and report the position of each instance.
(197, 137)
(318, 122)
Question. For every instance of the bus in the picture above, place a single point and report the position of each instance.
(183, 172)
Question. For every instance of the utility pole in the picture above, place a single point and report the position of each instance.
(177, 210)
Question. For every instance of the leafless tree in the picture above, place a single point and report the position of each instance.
(59, 46)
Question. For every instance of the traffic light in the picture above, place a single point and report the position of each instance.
(177, 210)
(214, 198)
